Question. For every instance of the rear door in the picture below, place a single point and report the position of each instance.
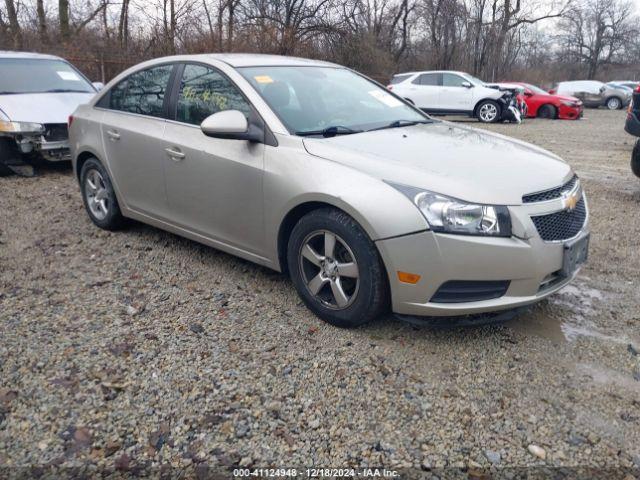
(424, 91)
(132, 129)
(453, 95)
(214, 185)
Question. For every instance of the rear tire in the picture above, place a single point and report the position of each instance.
(613, 103)
(547, 111)
(99, 197)
(336, 269)
(488, 111)
(635, 159)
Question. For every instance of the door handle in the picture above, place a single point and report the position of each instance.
(113, 135)
(174, 154)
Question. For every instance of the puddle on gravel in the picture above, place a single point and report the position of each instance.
(564, 317)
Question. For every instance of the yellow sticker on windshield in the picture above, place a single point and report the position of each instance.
(263, 79)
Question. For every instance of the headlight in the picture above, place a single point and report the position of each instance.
(449, 215)
(20, 127)
(569, 104)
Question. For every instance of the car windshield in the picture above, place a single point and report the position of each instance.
(27, 75)
(328, 100)
(535, 89)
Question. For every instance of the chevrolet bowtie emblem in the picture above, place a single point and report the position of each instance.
(571, 200)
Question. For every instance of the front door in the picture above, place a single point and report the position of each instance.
(132, 130)
(214, 186)
(454, 96)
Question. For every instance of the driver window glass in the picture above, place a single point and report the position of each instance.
(142, 92)
(450, 80)
(203, 92)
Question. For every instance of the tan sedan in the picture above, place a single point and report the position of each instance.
(309, 168)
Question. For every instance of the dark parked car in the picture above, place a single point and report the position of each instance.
(632, 126)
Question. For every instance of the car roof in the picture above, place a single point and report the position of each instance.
(258, 60)
(31, 55)
(432, 71)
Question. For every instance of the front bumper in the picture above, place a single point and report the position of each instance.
(54, 151)
(52, 145)
(530, 264)
(566, 112)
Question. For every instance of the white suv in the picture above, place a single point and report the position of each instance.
(451, 93)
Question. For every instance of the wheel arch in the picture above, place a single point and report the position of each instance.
(555, 108)
(81, 158)
(484, 99)
(606, 100)
(294, 215)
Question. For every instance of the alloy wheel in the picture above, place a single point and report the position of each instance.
(329, 269)
(613, 104)
(488, 112)
(97, 194)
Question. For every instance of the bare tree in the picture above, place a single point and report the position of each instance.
(14, 25)
(63, 19)
(123, 24)
(595, 32)
(42, 21)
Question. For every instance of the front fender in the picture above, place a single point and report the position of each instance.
(294, 177)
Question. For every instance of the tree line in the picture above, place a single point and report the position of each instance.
(536, 40)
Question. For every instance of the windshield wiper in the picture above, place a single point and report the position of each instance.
(65, 90)
(400, 123)
(330, 131)
(11, 93)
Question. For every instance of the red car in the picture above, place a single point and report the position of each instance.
(546, 105)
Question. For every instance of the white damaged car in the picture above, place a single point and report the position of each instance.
(37, 95)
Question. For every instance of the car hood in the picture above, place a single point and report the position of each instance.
(461, 162)
(42, 107)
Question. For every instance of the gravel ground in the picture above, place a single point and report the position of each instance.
(126, 351)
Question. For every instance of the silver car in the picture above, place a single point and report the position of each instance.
(595, 94)
(309, 168)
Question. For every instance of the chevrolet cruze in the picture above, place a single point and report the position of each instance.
(309, 168)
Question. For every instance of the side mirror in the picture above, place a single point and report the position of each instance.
(602, 89)
(528, 93)
(466, 84)
(232, 125)
(98, 85)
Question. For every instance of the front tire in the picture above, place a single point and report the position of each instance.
(547, 111)
(488, 111)
(336, 269)
(613, 103)
(99, 197)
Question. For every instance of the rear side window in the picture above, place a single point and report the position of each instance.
(141, 92)
(399, 78)
(428, 79)
(205, 91)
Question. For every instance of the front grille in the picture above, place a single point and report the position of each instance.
(561, 225)
(55, 132)
(458, 291)
(550, 194)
